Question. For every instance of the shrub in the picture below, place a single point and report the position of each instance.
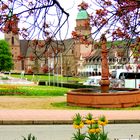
(43, 83)
(71, 85)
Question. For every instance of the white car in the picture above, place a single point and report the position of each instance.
(93, 80)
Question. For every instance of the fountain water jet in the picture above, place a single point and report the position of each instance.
(106, 98)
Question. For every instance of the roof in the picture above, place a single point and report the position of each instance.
(95, 57)
(65, 45)
(82, 14)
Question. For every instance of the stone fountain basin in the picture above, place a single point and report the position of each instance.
(116, 98)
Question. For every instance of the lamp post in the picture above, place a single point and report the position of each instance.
(104, 82)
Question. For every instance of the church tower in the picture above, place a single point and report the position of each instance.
(14, 43)
(11, 35)
(83, 22)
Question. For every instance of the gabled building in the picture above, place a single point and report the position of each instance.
(24, 57)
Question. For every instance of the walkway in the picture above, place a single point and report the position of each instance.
(14, 81)
(64, 116)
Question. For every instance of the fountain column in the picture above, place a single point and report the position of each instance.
(104, 64)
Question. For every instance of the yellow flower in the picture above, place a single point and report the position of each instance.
(77, 121)
(81, 125)
(97, 130)
(78, 126)
(92, 130)
(89, 121)
(103, 123)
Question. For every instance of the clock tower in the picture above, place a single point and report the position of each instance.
(83, 28)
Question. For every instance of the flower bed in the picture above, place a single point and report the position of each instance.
(95, 128)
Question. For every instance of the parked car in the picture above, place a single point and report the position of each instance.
(93, 80)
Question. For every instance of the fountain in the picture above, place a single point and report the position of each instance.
(104, 97)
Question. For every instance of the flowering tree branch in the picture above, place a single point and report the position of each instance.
(35, 20)
(119, 20)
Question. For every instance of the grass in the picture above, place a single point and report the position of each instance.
(43, 91)
(63, 105)
(32, 90)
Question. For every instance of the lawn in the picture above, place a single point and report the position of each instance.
(33, 97)
(32, 90)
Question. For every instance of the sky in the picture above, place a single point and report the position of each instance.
(71, 7)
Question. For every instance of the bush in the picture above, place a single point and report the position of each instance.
(71, 85)
(42, 83)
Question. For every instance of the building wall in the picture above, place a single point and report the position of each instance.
(83, 26)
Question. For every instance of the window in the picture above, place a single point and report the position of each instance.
(12, 40)
(72, 51)
(22, 64)
(129, 75)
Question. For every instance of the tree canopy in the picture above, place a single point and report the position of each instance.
(6, 62)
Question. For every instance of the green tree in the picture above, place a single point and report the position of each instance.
(6, 62)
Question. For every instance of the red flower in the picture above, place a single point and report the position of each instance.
(31, 57)
(30, 71)
(20, 57)
(138, 66)
(45, 69)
